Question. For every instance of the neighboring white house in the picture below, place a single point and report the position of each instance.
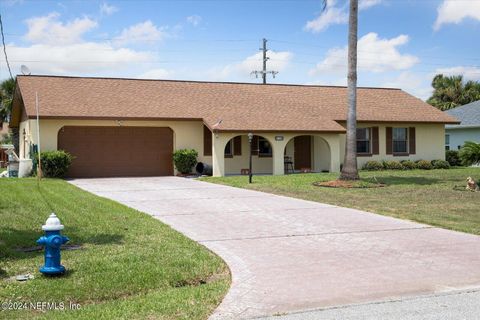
(467, 130)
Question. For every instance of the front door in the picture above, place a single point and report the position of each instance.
(303, 152)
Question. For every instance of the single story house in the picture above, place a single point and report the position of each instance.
(467, 130)
(130, 127)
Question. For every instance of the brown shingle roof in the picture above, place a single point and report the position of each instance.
(240, 106)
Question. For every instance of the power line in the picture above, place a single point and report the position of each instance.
(5, 47)
(264, 71)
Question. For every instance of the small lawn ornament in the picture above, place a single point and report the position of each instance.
(472, 185)
(52, 240)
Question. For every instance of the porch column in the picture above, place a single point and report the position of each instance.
(218, 155)
(278, 157)
(334, 143)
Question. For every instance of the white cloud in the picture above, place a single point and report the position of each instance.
(48, 30)
(278, 62)
(455, 11)
(331, 15)
(58, 47)
(364, 4)
(335, 15)
(417, 85)
(156, 74)
(107, 9)
(80, 58)
(374, 55)
(142, 32)
(194, 20)
(469, 73)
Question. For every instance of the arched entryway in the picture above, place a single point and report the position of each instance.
(236, 155)
(307, 153)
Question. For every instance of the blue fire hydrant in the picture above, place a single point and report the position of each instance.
(52, 240)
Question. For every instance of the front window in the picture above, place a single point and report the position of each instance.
(264, 147)
(400, 140)
(447, 139)
(363, 140)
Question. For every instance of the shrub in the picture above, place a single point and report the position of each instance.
(424, 164)
(55, 164)
(470, 153)
(373, 165)
(392, 165)
(409, 165)
(452, 157)
(184, 160)
(440, 164)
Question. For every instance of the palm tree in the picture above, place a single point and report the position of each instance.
(470, 153)
(6, 96)
(349, 169)
(452, 91)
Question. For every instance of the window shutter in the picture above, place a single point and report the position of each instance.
(375, 146)
(237, 146)
(411, 140)
(389, 140)
(255, 146)
(207, 141)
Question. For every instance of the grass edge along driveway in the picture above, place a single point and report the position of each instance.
(425, 196)
(130, 265)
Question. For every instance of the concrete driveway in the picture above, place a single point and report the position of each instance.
(289, 255)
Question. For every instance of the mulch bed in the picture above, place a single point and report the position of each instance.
(348, 184)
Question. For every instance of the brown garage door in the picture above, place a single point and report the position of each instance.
(118, 151)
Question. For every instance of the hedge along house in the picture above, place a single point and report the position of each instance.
(129, 127)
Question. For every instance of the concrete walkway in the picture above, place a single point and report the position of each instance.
(288, 255)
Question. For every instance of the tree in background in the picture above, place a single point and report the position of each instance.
(452, 91)
(6, 96)
(7, 87)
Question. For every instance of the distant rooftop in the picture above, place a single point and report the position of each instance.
(468, 114)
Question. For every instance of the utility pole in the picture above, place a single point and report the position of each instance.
(265, 59)
(264, 49)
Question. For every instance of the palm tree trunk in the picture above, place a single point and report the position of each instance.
(349, 169)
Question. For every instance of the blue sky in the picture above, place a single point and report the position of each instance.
(402, 43)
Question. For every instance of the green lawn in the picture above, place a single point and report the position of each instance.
(424, 196)
(131, 266)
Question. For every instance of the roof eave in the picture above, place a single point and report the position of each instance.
(278, 131)
(455, 127)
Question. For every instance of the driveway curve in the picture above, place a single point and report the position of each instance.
(288, 255)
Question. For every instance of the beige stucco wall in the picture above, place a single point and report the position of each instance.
(330, 141)
(430, 142)
(320, 153)
(328, 149)
(186, 134)
(260, 165)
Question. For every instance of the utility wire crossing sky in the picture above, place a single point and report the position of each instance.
(402, 43)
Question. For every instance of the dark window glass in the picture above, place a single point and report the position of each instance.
(400, 141)
(264, 147)
(363, 140)
(228, 148)
(447, 139)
